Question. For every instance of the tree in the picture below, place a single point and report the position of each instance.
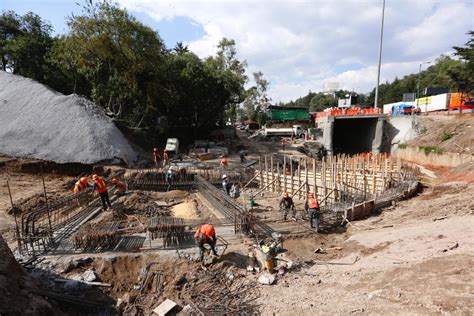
(462, 75)
(257, 101)
(232, 73)
(24, 43)
(119, 56)
(180, 48)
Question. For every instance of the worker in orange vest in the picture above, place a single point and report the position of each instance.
(120, 187)
(205, 234)
(81, 184)
(156, 156)
(312, 207)
(101, 187)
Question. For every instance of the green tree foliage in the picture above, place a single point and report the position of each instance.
(24, 43)
(462, 75)
(124, 67)
(439, 74)
(257, 101)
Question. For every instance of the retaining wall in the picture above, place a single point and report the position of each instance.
(448, 159)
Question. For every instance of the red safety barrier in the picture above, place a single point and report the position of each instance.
(353, 111)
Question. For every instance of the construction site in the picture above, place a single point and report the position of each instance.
(344, 211)
(385, 217)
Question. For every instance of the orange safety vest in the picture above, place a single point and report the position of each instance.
(121, 187)
(224, 162)
(202, 231)
(79, 186)
(101, 186)
(313, 203)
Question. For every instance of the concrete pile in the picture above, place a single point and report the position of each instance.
(37, 122)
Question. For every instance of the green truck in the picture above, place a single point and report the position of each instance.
(287, 113)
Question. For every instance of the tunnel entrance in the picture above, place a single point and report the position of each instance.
(353, 135)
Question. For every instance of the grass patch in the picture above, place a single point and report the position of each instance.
(446, 136)
(402, 146)
(431, 149)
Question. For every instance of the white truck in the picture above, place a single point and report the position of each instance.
(297, 130)
(172, 146)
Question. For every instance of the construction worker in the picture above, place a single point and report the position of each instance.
(205, 234)
(156, 157)
(242, 156)
(224, 163)
(286, 203)
(101, 187)
(312, 207)
(81, 184)
(166, 157)
(120, 187)
(225, 184)
(169, 177)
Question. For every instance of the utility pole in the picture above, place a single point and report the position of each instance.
(380, 58)
(418, 87)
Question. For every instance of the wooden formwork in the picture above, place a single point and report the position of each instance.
(363, 175)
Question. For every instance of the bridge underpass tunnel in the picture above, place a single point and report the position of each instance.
(354, 135)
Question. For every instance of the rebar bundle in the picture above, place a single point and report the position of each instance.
(92, 237)
(171, 229)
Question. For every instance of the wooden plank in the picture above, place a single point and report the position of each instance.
(284, 174)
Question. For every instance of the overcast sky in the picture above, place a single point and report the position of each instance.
(300, 45)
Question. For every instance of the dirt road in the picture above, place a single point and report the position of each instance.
(414, 258)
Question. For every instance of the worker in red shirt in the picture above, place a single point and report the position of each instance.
(312, 207)
(224, 163)
(101, 187)
(120, 187)
(156, 157)
(286, 203)
(205, 234)
(81, 184)
(166, 157)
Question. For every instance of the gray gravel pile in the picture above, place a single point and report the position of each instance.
(37, 122)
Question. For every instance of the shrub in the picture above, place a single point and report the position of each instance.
(431, 149)
(402, 146)
(446, 136)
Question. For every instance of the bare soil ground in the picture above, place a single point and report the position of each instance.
(435, 127)
(413, 258)
(26, 188)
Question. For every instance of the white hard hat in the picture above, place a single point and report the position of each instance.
(224, 176)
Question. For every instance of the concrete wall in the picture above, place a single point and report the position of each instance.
(354, 134)
(448, 159)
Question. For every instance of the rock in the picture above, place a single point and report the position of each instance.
(89, 276)
(266, 279)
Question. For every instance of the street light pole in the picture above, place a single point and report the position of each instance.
(380, 58)
(418, 87)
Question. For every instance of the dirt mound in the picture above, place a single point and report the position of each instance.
(186, 210)
(27, 204)
(449, 133)
(15, 285)
(39, 123)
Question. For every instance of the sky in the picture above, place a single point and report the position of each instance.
(302, 45)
